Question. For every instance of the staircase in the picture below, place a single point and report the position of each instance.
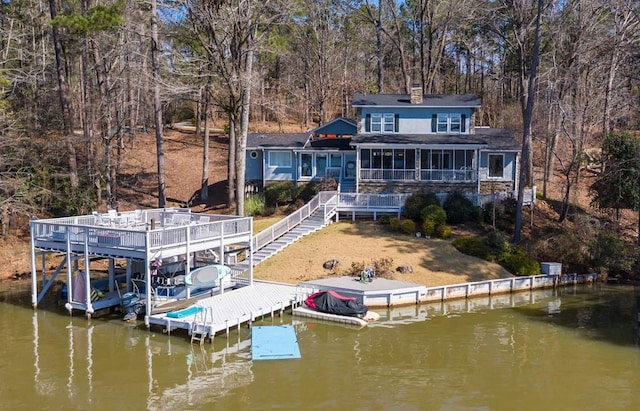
(314, 222)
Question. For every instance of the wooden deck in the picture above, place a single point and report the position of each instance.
(244, 305)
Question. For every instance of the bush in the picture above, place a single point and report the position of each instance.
(497, 242)
(385, 220)
(505, 212)
(254, 205)
(308, 191)
(414, 204)
(408, 227)
(394, 224)
(474, 246)
(516, 262)
(429, 227)
(443, 231)
(434, 213)
(280, 193)
(460, 209)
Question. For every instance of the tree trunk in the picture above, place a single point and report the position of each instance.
(526, 132)
(157, 105)
(204, 187)
(63, 91)
(241, 142)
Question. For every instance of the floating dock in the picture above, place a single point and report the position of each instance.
(304, 311)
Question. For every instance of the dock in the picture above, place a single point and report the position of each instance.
(224, 312)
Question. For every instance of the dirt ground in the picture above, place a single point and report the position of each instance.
(434, 262)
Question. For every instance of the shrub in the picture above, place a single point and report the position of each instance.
(497, 242)
(443, 231)
(414, 204)
(394, 224)
(460, 209)
(505, 212)
(383, 267)
(435, 213)
(307, 192)
(282, 192)
(385, 220)
(408, 227)
(516, 262)
(429, 227)
(254, 205)
(474, 246)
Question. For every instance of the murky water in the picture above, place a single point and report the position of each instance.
(570, 349)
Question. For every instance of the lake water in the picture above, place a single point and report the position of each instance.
(574, 348)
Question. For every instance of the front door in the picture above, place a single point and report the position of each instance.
(349, 167)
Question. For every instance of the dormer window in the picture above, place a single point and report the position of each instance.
(452, 123)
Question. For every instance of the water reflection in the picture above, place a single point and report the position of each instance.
(533, 347)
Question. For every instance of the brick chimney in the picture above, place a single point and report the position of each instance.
(416, 94)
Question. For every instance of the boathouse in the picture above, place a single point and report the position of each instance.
(145, 243)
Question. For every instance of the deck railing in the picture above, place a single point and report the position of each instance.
(164, 227)
(265, 237)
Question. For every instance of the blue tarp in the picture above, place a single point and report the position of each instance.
(274, 342)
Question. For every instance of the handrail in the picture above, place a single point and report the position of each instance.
(269, 235)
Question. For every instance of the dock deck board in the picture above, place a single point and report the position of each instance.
(232, 308)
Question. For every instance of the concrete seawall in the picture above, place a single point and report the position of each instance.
(503, 285)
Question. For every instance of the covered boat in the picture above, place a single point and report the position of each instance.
(333, 303)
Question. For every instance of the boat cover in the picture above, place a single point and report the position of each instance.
(207, 275)
(333, 303)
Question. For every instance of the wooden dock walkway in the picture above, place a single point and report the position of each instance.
(225, 311)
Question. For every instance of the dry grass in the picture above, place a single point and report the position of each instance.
(434, 262)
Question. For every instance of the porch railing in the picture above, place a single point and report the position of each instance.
(423, 175)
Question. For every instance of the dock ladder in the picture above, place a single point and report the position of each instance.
(201, 326)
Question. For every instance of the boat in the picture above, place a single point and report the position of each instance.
(330, 302)
(182, 292)
(331, 306)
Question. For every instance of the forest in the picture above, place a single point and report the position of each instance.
(79, 80)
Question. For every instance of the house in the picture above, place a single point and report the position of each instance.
(398, 143)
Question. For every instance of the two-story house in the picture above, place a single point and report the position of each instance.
(398, 143)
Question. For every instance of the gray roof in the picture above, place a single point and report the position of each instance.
(276, 140)
(498, 138)
(428, 100)
(491, 138)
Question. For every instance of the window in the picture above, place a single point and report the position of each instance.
(443, 123)
(365, 158)
(389, 123)
(448, 123)
(280, 159)
(382, 122)
(307, 166)
(376, 122)
(454, 123)
(496, 165)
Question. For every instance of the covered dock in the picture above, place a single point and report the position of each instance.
(144, 242)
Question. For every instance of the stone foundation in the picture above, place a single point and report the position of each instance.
(413, 187)
(489, 187)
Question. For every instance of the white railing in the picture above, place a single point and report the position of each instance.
(325, 199)
(117, 233)
(422, 175)
(348, 201)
